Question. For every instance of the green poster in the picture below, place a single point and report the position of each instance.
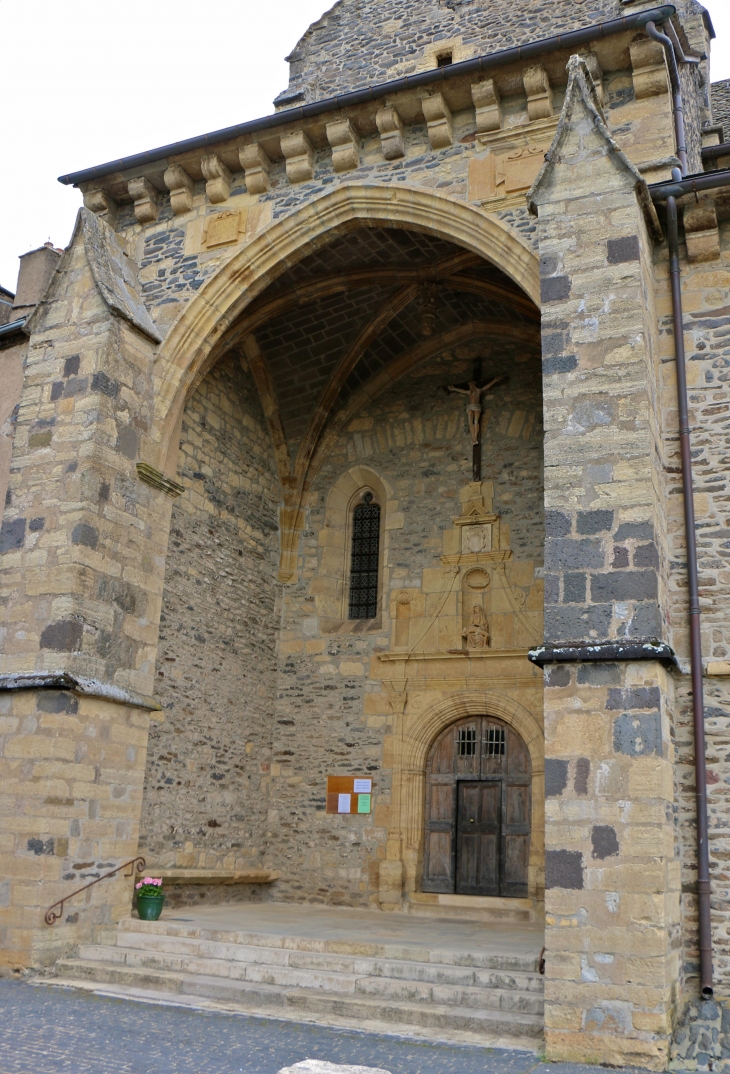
(363, 803)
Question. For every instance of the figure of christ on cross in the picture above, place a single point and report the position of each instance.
(474, 406)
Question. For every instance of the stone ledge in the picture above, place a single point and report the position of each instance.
(603, 651)
(456, 654)
(64, 680)
(174, 877)
(149, 476)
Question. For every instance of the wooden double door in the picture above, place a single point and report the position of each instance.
(478, 810)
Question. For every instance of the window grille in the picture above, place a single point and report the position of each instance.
(495, 743)
(466, 742)
(364, 567)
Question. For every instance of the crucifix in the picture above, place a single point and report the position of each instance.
(474, 414)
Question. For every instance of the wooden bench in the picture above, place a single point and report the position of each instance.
(174, 876)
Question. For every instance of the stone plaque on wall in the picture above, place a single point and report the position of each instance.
(475, 539)
(510, 171)
(222, 229)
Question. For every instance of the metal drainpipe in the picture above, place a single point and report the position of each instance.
(677, 102)
(698, 705)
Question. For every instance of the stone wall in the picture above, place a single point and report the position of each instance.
(399, 38)
(720, 93)
(706, 298)
(207, 776)
(71, 773)
(11, 378)
(333, 716)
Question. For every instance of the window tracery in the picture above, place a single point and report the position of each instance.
(365, 559)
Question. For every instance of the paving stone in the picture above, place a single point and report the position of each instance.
(59, 1031)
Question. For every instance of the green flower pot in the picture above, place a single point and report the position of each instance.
(149, 907)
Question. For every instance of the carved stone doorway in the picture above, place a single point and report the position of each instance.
(478, 810)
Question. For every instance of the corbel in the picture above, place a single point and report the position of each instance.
(701, 231)
(217, 178)
(487, 105)
(539, 93)
(345, 150)
(299, 155)
(649, 67)
(439, 121)
(100, 203)
(181, 188)
(256, 166)
(146, 202)
(392, 132)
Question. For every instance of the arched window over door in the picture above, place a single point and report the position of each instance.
(478, 810)
(365, 559)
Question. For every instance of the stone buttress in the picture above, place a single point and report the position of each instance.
(82, 602)
(612, 874)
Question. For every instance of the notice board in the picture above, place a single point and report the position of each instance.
(349, 794)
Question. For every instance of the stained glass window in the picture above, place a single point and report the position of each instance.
(364, 566)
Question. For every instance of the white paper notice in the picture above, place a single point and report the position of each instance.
(363, 786)
(343, 803)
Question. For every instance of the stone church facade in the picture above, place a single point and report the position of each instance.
(253, 559)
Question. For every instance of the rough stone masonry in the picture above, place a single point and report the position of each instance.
(252, 336)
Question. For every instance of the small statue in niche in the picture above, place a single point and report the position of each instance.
(477, 633)
(474, 406)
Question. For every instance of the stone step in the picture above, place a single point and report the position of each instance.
(430, 972)
(484, 909)
(353, 1008)
(378, 986)
(399, 952)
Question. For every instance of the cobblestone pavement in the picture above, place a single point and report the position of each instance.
(60, 1031)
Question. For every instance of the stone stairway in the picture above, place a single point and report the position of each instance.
(479, 995)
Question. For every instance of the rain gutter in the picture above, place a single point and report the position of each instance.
(477, 65)
(677, 103)
(12, 327)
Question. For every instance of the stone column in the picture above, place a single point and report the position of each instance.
(84, 544)
(612, 875)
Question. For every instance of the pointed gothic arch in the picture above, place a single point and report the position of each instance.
(194, 342)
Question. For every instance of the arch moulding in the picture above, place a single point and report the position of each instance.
(413, 735)
(194, 341)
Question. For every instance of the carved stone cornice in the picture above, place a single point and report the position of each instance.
(393, 656)
(475, 515)
(473, 559)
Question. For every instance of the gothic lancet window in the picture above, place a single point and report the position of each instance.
(365, 565)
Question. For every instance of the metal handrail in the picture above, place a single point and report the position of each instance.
(52, 914)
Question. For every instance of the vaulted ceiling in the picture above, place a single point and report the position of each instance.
(335, 329)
